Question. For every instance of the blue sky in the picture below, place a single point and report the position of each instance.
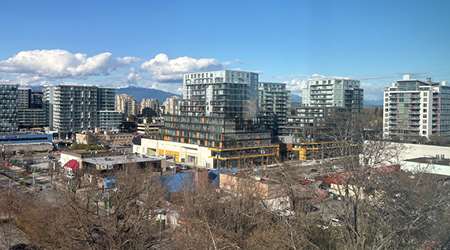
(375, 41)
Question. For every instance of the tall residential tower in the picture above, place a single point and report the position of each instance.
(415, 109)
(273, 104)
(8, 106)
(230, 93)
(337, 92)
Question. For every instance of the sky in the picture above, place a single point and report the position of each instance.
(152, 43)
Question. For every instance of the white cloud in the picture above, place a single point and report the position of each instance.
(164, 69)
(128, 59)
(295, 85)
(58, 63)
(373, 91)
(133, 77)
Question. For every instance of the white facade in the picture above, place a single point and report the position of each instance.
(71, 108)
(172, 105)
(126, 105)
(227, 92)
(181, 152)
(414, 109)
(408, 152)
(149, 103)
(320, 91)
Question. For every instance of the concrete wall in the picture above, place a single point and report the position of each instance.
(418, 150)
(233, 184)
(10, 148)
(425, 167)
(181, 152)
(411, 151)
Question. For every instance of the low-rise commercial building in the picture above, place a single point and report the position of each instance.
(422, 158)
(105, 138)
(150, 127)
(26, 142)
(105, 160)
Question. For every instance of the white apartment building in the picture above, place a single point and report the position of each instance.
(339, 92)
(126, 105)
(71, 108)
(415, 109)
(172, 105)
(74, 108)
(230, 93)
(149, 103)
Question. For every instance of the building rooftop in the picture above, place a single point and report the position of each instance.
(431, 160)
(109, 161)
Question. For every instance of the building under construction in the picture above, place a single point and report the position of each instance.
(218, 126)
(322, 150)
(233, 142)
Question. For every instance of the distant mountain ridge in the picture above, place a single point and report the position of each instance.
(137, 92)
(140, 93)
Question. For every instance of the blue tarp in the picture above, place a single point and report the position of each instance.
(109, 182)
(182, 181)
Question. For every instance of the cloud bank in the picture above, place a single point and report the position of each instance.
(164, 69)
(58, 63)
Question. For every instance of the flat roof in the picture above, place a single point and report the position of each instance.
(431, 160)
(119, 159)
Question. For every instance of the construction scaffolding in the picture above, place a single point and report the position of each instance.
(324, 150)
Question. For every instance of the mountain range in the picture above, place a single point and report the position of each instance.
(140, 93)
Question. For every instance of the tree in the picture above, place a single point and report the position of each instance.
(77, 222)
